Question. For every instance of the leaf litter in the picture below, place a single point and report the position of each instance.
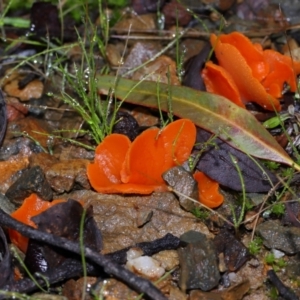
(229, 149)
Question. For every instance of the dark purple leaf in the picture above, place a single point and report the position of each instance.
(218, 165)
(192, 77)
(62, 220)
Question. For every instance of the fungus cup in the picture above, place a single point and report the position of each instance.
(32, 206)
(218, 81)
(245, 69)
(208, 191)
(138, 166)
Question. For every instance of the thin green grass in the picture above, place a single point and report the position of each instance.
(238, 220)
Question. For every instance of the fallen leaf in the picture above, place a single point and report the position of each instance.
(62, 219)
(214, 113)
(32, 206)
(216, 162)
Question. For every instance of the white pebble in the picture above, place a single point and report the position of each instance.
(146, 266)
(277, 253)
(134, 253)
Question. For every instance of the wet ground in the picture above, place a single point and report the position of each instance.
(51, 123)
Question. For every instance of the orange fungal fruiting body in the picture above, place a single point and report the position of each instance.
(248, 72)
(32, 206)
(142, 162)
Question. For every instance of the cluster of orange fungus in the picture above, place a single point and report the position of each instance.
(32, 206)
(245, 72)
(125, 167)
(208, 190)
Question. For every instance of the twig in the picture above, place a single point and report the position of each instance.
(139, 284)
(283, 290)
(168, 242)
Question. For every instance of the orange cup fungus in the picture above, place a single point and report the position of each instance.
(124, 167)
(208, 190)
(32, 206)
(246, 72)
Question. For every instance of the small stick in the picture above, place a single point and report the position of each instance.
(283, 290)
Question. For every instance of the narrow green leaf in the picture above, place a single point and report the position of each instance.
(233, 124)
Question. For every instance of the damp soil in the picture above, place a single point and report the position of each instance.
(156, 246)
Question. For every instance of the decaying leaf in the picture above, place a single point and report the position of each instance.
(216, 162)
(231, 123)
(62, 219)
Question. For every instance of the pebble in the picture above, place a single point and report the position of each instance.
(162, 69)
(198, 263)
(276, 236)
(184, 184)
(139, 53)
(31, 181)
(168, 259)
(146, 266)
(64, 175)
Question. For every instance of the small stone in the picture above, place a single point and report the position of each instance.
(144, 117)
(198, 262)
(276, 236)
(277, 254)
(113, 55)
(146, 266)
(8, 170)
(174, 12)
(237, 291)
(139, 53)
(6, 205)
(139, 23)
(176, 294)
(68, 152)
(36, 129)
(115, 290)
(72, 289)
(42, 159)
(64, 175)
(168, 259)
(144, 216)
(31, 181)
(133, 253)
(34, 89)
(163, 69)
(182, 182)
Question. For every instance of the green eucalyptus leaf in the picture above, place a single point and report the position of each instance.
(231, 123)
